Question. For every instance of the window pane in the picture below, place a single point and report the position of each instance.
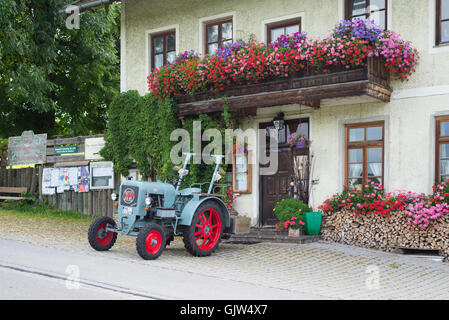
(444, 167)
(171, 56)
(158, 60)
(375, 154)
(303, 128)
(171, 42)
(357, 134)
(212, 33)
(379, 18)
(354, 182)
(276, 33)
(444, 151)
(226, 31)
(377, 5)
(356, 155)
(445, 31)
(444, 128)
(158, 44)
(212, 48)
(358, 7)
(374, 169)
(444, 9)
(374, 133)
(292, 29)
(355, 170)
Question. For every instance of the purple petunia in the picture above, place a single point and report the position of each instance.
(361, 28)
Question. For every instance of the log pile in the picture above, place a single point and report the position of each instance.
(387, 234)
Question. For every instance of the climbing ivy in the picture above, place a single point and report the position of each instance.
(139, 129)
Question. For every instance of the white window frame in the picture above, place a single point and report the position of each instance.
(433, 47)
(148, 48)
(202, 24)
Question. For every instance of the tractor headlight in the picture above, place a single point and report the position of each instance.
(114, 196)
(148, 201)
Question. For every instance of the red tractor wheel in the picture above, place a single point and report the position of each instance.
(150, 241)
(206, 230)
(99, 238)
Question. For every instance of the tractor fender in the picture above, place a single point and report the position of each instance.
(190, 208)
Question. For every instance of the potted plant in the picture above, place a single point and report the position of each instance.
(298, 140)
(293, 225)
(290, 214)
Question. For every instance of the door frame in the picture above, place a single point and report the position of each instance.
(263, 125)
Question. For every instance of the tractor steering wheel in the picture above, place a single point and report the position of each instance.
(172, 179)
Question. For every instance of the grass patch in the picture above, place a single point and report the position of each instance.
(41, 211)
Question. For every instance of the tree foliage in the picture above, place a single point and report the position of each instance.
(53, 79)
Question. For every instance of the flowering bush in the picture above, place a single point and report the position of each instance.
(289, 211)
(298, 140)
(230, 197)
(422, 210)
(358, 28)
(242, 63)
(293, 223)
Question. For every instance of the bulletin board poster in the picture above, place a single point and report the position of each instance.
(83, 179)
(46, 182)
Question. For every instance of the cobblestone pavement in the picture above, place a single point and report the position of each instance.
(323, 269)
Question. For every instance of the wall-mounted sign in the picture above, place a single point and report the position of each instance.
(65, 149)
(101, 175)
(29, 148)
(93, 147)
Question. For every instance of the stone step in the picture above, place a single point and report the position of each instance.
(248, 238)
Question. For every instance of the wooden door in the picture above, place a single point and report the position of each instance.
(275, 187)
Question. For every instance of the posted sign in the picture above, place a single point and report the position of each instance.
(29, 148)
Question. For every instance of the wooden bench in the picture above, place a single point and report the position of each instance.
(12, 193)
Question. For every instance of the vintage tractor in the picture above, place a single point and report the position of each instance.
(155, 212)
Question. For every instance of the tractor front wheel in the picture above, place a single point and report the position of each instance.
(150, 241)
(99, 238)
(206, 230)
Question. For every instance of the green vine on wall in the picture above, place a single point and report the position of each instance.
(139, 129)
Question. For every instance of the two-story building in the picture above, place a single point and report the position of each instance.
(364, 126)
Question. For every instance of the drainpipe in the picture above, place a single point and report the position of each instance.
(86, 6)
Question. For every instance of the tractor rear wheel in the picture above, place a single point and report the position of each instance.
(99, 238)
(206, 230)
(150, 241)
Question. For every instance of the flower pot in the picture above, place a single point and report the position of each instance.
(242, 224)
(312, 222)
(294, 233)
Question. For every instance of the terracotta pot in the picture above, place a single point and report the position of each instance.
(295, 233)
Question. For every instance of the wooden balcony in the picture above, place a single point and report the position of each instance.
(340, 86)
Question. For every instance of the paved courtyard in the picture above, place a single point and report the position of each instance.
(321, 269)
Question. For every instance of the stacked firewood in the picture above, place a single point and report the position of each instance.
(388, 234)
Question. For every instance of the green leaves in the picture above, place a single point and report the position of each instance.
(65, 79)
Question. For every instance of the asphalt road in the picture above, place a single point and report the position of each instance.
(35, 272)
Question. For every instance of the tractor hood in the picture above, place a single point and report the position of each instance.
(142, 188)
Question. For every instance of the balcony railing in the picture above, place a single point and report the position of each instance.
(339, 86)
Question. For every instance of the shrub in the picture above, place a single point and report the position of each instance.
(288, 209)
